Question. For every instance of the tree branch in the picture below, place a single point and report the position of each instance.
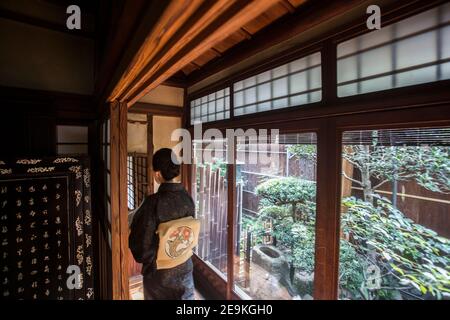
(351, 179)
(380, 184)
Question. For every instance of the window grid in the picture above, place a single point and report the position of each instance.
(287, 95)
(414, 72)
(206, 108)
(137, 179)
(389, 49)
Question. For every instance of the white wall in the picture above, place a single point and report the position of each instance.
(166, 95)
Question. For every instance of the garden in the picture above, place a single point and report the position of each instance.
(385, 253)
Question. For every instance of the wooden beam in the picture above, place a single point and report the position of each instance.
(174, 15)
(313, 14)
(288, 6)
(245, 33)
(130, 23)
(119, 207)
(156, 109)
(158, 60)
(178, 80)
(41, 23)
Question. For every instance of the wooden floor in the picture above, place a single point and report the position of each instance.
(137, 289)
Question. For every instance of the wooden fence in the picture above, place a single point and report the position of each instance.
(210, 194)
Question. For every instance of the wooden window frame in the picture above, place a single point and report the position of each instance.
(397, 107)
(404, 107)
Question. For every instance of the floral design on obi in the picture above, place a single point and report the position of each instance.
(179, 241)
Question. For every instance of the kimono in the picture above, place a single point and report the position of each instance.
(170, 202)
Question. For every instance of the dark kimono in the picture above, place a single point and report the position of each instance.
(170, 202)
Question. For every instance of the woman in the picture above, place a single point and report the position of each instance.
(170, 202)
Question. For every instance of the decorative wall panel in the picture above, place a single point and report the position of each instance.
(45, 226)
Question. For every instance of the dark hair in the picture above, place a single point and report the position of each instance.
(162, 161)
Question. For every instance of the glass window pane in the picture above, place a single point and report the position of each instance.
(108, 211)
(445, 71)
(395, 231)
(250, 109)
(409, 44)
(255, 99)
(211, 107)
(250, 95)
(108, 184)
(376, 61)
(239, 99)
(298, 65)
(298, 82)
(265, 106)
(315, 96)
(417, 23)
(280, 103)
(347, 47)
(227, 103)
(103, 134)
(238, 85)
(238, 111)
(263, 77)
(299, 99)
(347, 90)
(314, 59)
(376, 84)
(417, 50)
(249, 82)
(375, 38)
(108, 157)
(220, 105)
(280, 71)
(445, 49)
(264, 92)
(108, 131)
(315, 76)
(219, 115)
(347, 69)
(204, 109)
(416, 76)
(280, 88)
(275, 218)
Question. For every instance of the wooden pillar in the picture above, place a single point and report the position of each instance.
(119, 207)
(328, 212)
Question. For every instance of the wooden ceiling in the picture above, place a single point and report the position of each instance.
(246, 32)
(189, 34)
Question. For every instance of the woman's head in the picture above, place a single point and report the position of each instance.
(163, 166)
